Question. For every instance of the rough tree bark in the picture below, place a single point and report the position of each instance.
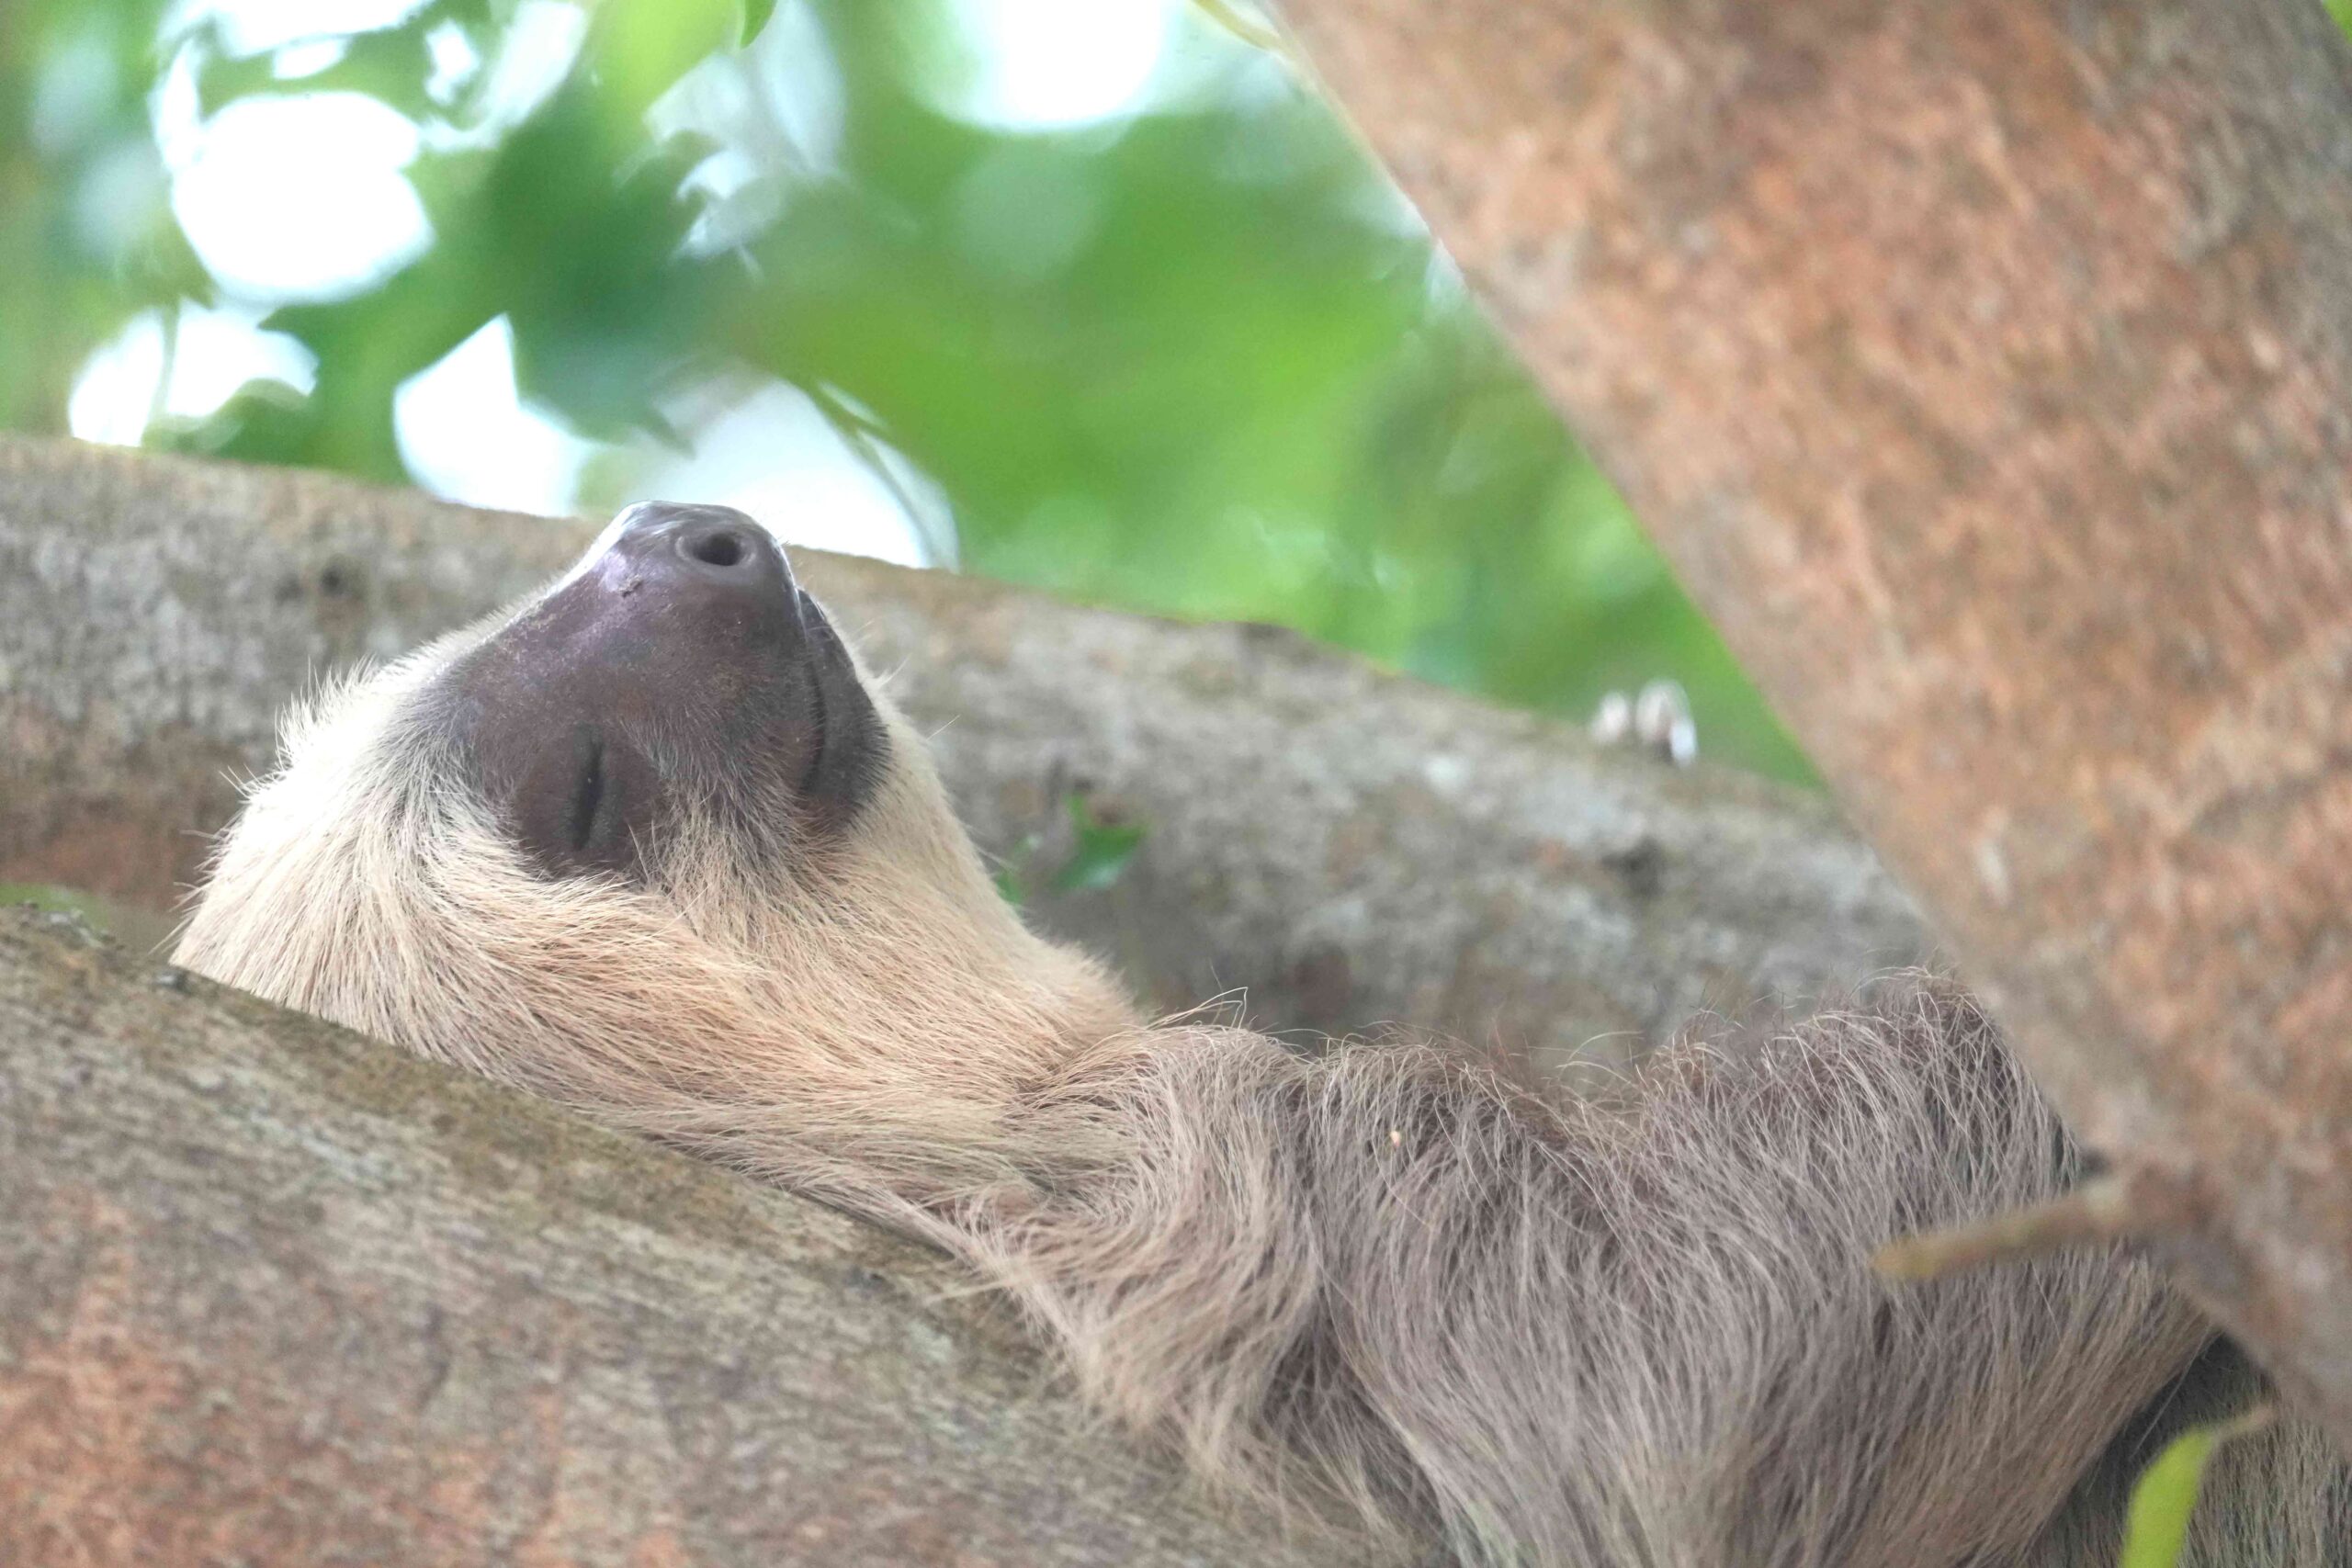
(271, 1294)
(1346, 848)
(1985, 365)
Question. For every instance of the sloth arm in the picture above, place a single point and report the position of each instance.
(1386, 1286)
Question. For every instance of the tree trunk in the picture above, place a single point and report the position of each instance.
(1343, 848)
(1984, 365)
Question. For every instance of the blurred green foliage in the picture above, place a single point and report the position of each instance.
(1196, 360)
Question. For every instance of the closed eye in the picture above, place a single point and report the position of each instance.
(587, 797)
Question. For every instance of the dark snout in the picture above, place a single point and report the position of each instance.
(713, 558)
(678, 665)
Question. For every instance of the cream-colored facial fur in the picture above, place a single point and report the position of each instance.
(870, 993)
(1379, 1287)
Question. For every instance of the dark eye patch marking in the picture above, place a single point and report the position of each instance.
(588, 798)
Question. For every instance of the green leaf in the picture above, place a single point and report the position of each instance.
(756, 16)
(639, 49)
(2167, 1495)
(1102, 853)
(2157, 1526)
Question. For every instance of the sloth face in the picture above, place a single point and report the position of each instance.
(678, 672)
(648, 832)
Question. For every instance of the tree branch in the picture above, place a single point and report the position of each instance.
(270, 1292)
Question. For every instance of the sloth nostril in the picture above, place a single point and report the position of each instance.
(717, 547)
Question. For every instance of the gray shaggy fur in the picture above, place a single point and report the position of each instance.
(1388, 1288)
(1388, 1283)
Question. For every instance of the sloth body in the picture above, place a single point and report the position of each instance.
(650, 843)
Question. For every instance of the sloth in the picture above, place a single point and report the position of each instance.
(652, 844)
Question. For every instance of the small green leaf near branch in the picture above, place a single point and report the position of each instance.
(1099, 852)
(2156, 1530)
(1103, 852)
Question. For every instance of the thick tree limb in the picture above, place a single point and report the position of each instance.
(1986, 365)
(1347, 847)
(273, 1293)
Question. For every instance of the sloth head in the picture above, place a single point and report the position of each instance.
(648, 839)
